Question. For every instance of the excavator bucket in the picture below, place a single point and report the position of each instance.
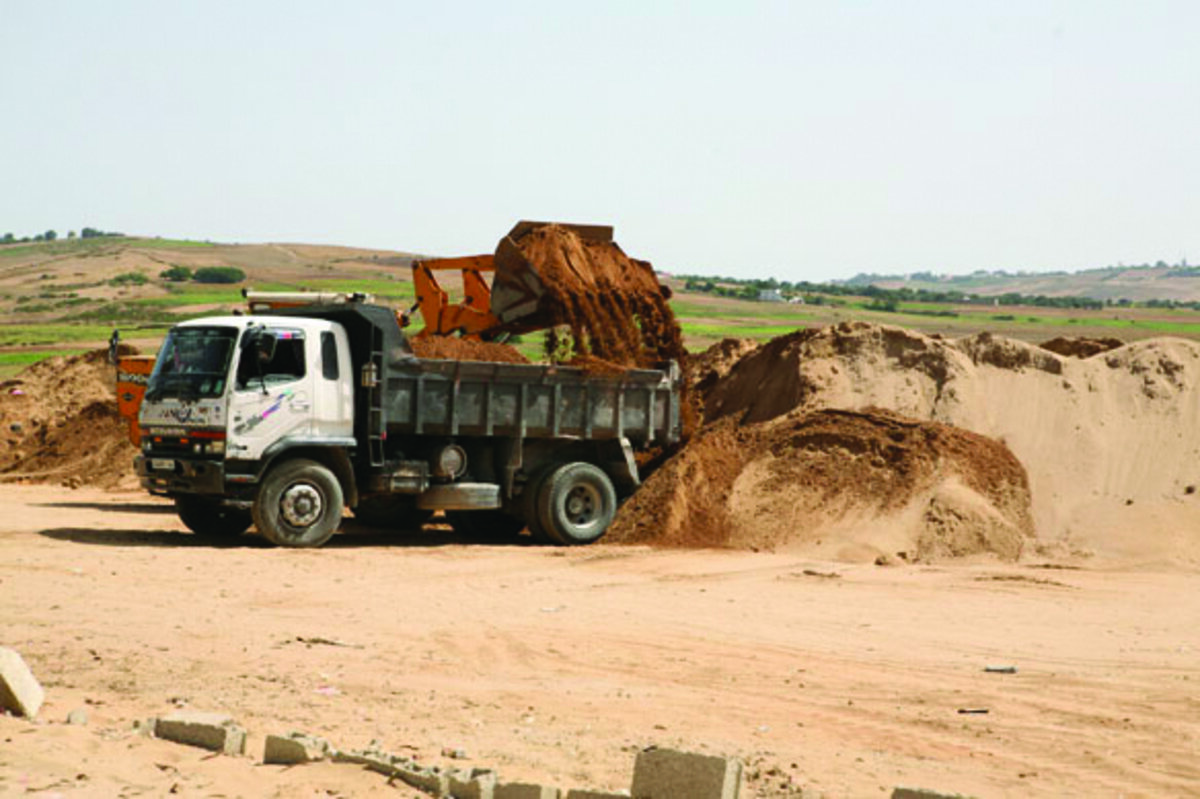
(519, 300)
(514, 302)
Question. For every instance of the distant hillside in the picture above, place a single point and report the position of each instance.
(1160, 281)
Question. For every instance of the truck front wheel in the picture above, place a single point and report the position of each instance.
(299, 504)
(576, 503)
(206, 516)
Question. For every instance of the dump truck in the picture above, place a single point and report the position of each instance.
(310, 404)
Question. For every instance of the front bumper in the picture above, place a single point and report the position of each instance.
(181, 476)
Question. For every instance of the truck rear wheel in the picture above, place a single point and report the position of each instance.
(576, 503)
(206, 516)
(299, 504)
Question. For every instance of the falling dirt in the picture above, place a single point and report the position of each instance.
(59, 424)
(612, 304)
(460, 349)
(851, 485)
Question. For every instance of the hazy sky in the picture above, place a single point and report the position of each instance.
(804, 140)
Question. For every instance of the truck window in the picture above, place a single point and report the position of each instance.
(329, 356)
(285, 365)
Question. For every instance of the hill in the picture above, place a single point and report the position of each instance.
(1160, 281)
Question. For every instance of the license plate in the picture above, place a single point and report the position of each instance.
(162, 464)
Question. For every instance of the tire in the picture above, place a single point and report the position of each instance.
(207, 517)
(576, 503)
(494, 525)
(529, 511)
(299, 504)
(392, 513)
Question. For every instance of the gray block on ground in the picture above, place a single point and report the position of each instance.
(20, 692)
(429, 780)
(525, 790)
(669, 774)
(901, 792)
(293, 748)
(477, 783)
(214, 731)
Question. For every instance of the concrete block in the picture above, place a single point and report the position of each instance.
(578, 793)
(429, 780)
(214, 731)
(668, 774)
(476, 783)
(20, 692)
(900, 792)
(294, 748)
(78, 716)
(525, 790)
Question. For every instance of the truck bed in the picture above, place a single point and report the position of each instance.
(462, 398)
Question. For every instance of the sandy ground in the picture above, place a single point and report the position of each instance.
(556, 665)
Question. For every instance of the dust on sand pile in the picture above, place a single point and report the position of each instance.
(1111, 443)
(841, 484)
(59, 424)
(460, 349)
(612, 304)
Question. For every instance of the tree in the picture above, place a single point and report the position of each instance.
(50, 235)
(8, 239)
(70, 234)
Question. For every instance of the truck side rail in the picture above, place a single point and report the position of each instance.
(436, 397)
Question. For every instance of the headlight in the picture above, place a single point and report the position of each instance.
(217, 447)
(145, 445)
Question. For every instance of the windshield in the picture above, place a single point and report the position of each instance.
(193, 363)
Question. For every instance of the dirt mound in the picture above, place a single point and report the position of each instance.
(853, 485)
(1080, 346)
(612, 304)
(704, 369)
(1111, 443)
(59, 424)
(454, 348)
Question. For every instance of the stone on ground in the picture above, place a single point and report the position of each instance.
(477, 783)
(293, 748)
(666, 773)
(20, 692)
(525, 790)
(901, 792)
(214, 731)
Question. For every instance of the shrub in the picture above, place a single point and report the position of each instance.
(176, 274)
(219, 274)
(128, 279)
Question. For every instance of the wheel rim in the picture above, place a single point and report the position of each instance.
(582, 506)
(301, 505)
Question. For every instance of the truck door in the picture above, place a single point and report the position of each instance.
(272, 390)
(333, 387)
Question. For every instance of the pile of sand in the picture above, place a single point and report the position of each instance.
(1111, 443)
(461, 349)
(839, 484)
(59, 424)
